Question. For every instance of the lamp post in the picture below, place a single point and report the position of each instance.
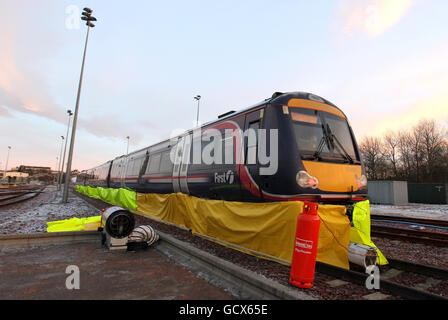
(56, 167)
(58, 177)
(70, 113)
(198, 97)
(7, 158)
(86, 16)
(127, 148)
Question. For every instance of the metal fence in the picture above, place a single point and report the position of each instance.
(434, 193)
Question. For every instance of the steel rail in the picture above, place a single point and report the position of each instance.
(20, 198)
(440, 223)
(425, 270)
(425, 237)
(392, 287)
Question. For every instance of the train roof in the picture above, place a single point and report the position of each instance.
(277, 98)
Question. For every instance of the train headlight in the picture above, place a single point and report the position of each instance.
(362, 182)
(305, 180)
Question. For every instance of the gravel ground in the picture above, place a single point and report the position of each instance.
(269, 269)
(413, 252)
(31, 217)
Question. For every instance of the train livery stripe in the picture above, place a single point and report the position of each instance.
(309, 104)
(193, 179)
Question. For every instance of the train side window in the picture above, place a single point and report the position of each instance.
(154, 164)
(134, 166)
(251, 136)
(130, 167)
(165, 163)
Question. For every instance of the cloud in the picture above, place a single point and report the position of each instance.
(5, 113)
(398, 94)
(22, 86)
(403, 119)
(372, 17)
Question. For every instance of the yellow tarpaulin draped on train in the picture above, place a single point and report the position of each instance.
(268, 228)
(334, 236)
(360, 232)
(120, 197)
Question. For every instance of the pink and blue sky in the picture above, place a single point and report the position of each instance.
(383, 62)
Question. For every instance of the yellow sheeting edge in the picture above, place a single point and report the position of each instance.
(74, 224)
(360, 232)
(267, 228)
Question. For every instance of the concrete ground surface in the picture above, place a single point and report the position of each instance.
(39, 272)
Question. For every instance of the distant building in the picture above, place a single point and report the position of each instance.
(14, 177)
(16, 174)
(33, 170)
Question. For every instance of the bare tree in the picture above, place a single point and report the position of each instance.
(404, 148)
(416, 155)
(370, 148)
(417, 151)
(432, 148)
(390, 150)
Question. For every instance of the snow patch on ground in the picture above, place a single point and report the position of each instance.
(32, 215)
(412, 210)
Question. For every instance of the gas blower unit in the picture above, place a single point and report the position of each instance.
(118, 231)
(117, 224)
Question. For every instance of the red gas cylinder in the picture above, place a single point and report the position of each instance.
(305, 247)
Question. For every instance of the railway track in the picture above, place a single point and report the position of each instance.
(393, 277)
(15, 195)
(419, 236)
(431, 222)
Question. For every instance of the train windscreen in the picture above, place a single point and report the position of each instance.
(323, 136)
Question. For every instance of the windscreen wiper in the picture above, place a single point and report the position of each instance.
(341, 149)
(325, 139)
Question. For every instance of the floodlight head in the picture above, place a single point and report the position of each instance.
(88, 10)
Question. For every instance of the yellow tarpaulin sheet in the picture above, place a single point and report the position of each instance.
(360, 232)
(268, 228)
(120, 197)
(74, 224)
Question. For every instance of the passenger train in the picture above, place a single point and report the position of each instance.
(292, 146)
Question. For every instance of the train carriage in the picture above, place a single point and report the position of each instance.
(292, 146)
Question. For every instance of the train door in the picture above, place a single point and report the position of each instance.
(177, 157)
(124, 167)
(109, 169)
(249, 170)
(181, 162)
(142, 171)
(184, 166)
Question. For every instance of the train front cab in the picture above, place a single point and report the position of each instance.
(319, 158)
